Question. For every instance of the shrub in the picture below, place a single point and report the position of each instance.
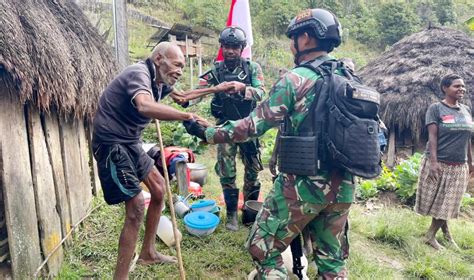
(367, 189)
(386, 181)
(406, 175)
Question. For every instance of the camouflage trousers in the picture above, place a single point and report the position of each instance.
(285, 213)
(226, 167)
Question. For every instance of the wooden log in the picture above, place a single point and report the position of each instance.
(45, 195)
(19, 199)
(53, 141)
(391, 148)
(181, 170)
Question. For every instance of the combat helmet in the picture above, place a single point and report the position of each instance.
(321, 23)
(233, 36)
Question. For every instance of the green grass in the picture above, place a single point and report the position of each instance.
(386, 243)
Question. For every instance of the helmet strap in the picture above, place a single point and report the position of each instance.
(299, 53)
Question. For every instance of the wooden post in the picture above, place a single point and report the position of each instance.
(181, 176)
(191, 70)
(199, 53)
(121, 33)
(391, 148)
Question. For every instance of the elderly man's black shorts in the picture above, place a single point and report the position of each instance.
(121, 169)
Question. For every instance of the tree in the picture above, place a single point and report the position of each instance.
(395, 21)
(445, 11)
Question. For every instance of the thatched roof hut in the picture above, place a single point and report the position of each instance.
(53, 67)
(52, 55)
(409, 73)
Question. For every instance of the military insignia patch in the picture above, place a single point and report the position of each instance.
(303, 15)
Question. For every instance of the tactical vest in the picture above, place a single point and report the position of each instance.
(341, 128)
(232, 106)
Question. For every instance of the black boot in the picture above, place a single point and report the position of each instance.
(231, 197)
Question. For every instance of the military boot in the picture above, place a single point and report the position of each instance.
(231, 197)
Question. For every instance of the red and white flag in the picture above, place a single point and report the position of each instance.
(239, 15)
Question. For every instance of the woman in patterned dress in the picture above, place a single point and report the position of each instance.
(447, 163)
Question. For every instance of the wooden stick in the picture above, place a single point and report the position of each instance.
(170, 202)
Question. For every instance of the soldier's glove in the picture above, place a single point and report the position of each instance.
(194, 128)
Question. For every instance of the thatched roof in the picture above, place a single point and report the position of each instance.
(53, 56)
(408, 75)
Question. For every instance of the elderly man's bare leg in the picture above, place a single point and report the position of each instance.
(148, 255)
(134, 209)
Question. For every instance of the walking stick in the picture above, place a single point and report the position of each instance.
(170, 200)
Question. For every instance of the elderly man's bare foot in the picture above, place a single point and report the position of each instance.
(434, 243)
(157, 258)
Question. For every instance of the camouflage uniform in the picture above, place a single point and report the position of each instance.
(226, 152)
(321, 202)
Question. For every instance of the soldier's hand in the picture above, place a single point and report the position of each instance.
(236, 87)
(194, 128)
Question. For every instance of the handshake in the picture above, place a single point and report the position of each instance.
(194, 128)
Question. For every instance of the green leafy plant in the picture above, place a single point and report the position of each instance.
(367, 189)
(467, 202)
(406, 175)
(386, 181)
(183, 139)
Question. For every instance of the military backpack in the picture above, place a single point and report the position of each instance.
(341, 130)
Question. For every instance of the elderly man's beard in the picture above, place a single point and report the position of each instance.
(166, 79)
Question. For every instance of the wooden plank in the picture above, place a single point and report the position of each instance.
(391, 148)
(45, 195)
(85, 168)
(72, 162)
(20, 210)
(51, 128)
(181, 170)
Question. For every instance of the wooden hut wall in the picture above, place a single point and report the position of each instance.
(18, 193)
(45, 182)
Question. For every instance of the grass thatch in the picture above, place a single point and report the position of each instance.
(53, 56)
(408, 75)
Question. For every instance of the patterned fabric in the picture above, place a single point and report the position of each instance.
(320, 202)
(441, 199)
(285, 213)
(226, 168)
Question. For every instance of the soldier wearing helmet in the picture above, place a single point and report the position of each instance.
(237, 85)
(317, 202)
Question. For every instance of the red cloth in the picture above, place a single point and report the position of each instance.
(173, 151)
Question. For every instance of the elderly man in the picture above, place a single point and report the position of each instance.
(125, 108)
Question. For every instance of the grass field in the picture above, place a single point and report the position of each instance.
(386, 243)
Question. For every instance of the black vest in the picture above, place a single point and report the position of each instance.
(232, 106)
